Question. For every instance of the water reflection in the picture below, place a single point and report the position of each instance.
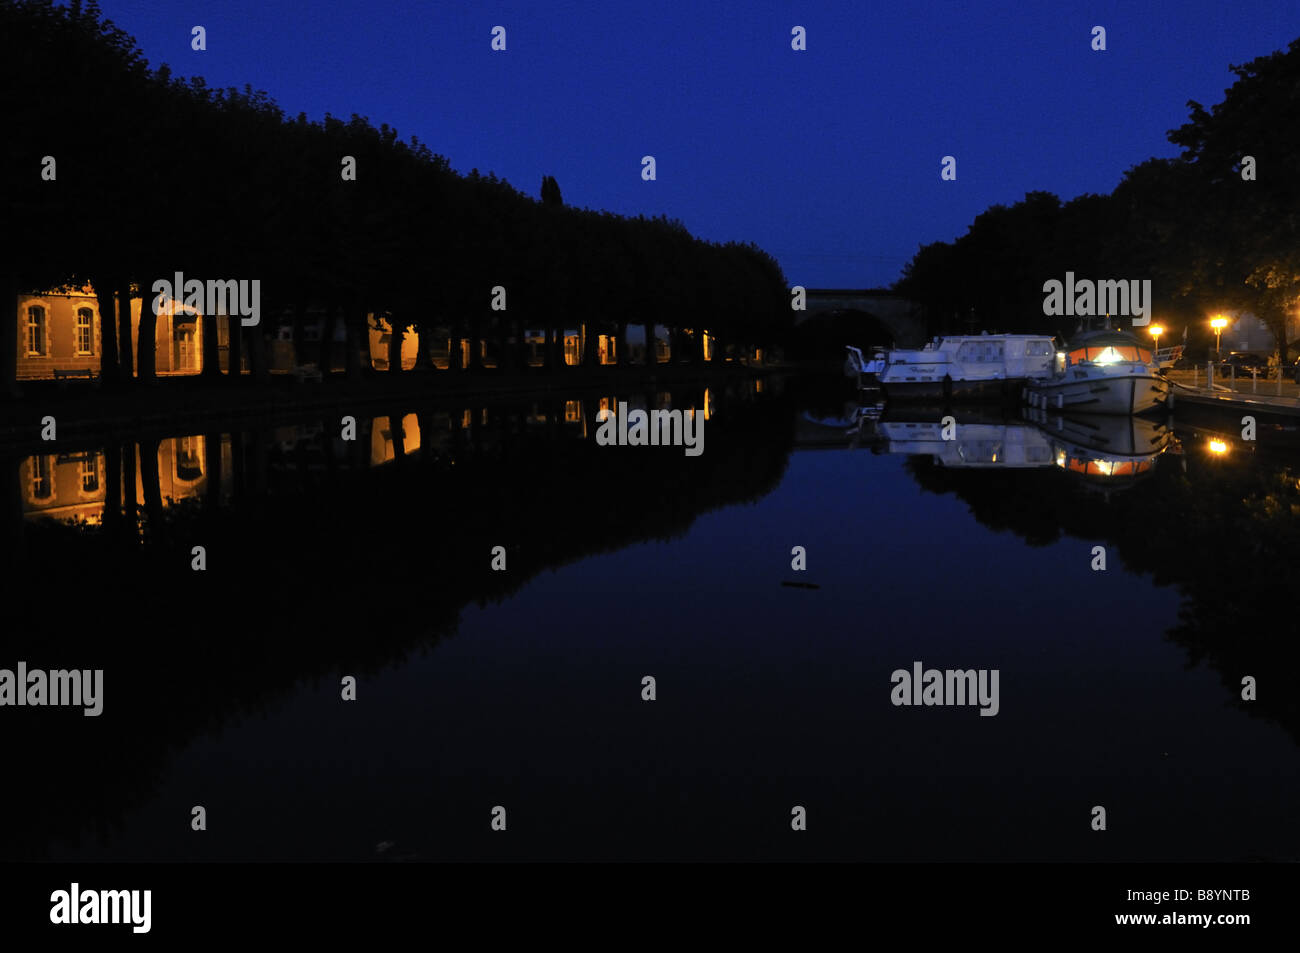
(323, 555)
(328, 556)
(74, 487)
(1109, 452)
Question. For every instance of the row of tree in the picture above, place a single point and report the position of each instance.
(117, 174)
(1217, 228)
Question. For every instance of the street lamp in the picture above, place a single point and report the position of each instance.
(1156, 330)
(1218, 324)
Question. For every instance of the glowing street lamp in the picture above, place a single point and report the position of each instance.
(1218, 324)
(1156, 330)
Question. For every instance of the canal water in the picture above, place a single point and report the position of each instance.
(524, 688)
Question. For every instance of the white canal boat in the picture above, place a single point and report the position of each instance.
(1102, 372)
(970, 367)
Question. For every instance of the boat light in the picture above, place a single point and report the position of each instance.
(1218, 446)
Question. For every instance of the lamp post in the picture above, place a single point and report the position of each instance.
(1156, 330)
(1218, 324)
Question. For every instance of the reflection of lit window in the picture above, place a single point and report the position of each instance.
(89, 475)
(572, 411)
(467, 418)
(42, 484)
(85, 331)
(189, 458)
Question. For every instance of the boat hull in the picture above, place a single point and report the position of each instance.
(1122, 394)
(971, 391)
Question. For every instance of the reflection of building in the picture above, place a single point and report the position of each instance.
(73, 486)
(63, 331)
(67, 486)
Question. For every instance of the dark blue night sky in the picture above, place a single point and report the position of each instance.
(828, 158)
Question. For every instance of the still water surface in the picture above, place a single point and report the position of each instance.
(1117, 688)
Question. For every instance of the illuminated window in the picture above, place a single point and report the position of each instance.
(36, 331)
(189, 458)
(42, 479)
(85, 331)
(89, 475)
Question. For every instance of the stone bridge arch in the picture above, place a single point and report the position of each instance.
(902, 318)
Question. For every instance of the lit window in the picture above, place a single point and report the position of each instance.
(90, 475)
(36, 330)
(85, 331)
(42, 483)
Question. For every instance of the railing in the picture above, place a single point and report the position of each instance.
(1225, 377)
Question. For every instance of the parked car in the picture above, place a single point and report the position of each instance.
(1245, 363)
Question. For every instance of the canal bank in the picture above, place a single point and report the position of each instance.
(84, 411)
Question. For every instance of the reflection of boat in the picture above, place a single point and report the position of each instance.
(1102, 372)
(975, 367)
(966, 445)
(1113, 447)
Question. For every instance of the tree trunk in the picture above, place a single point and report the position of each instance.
(325, 360)
(520, 348)
(476, 336)
(590, 345)
(299, 319)
(10, 332)
(212, 468)
(259, 363)
(398, 436)
(396, 331)
(211, 347)
(358, 342)
(238, 466)
(620, 344)
(453, 346)
(149, 478)
(124, 329)
(129, 498)
(235, 350)
(423, 348)
(651, 351)
(147, 339)
(108, 364)
(557, 354)
(112, 518)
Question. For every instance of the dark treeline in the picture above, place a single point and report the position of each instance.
(156, 174)
(1207, 238)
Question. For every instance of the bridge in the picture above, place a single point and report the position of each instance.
(900, 317)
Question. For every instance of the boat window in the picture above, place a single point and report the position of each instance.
(1110, 354)
(1038, 348)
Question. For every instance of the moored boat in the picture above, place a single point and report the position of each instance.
(1102, 372)
(963, 367)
